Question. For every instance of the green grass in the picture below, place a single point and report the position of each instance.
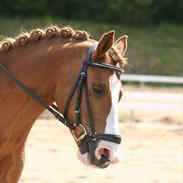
(152, 50)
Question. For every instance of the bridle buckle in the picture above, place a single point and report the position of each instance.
(77, 111)
(93, 136)
(82, 136)
(83, 73)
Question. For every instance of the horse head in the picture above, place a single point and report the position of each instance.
(92, 105)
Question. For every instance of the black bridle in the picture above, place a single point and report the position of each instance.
(88, 140)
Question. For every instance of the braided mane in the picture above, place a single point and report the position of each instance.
(39, 34)
(55, 32)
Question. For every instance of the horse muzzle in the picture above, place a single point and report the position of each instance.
(98, 154)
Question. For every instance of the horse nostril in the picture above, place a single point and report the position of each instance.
(104, 152)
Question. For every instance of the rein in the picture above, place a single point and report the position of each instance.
(88, 140)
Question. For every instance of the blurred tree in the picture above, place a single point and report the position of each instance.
(134, 12)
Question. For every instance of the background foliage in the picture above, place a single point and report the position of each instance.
(133, 12)
(155, 28)
(151, 50)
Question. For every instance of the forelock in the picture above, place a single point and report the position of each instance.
(116, 57)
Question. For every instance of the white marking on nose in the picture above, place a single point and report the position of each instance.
(109, 150)
(112, 123)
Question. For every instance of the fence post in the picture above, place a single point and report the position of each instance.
(132, 116)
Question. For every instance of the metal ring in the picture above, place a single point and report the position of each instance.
(93, 136)
(83, 73)
(77, 111)
(82, 136)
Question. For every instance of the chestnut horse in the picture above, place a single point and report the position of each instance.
(48, 63)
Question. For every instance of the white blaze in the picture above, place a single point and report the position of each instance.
(112, 124)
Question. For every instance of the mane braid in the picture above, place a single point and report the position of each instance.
(39, 34)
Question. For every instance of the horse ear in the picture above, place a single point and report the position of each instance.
(121, 44)
(104, 44)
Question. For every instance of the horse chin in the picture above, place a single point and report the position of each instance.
(84, 158)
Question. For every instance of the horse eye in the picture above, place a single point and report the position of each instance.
(97, 89)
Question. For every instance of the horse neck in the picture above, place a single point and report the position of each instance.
(38, 66)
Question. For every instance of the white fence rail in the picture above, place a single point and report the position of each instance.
(156, 101)
(170, 102)
(153, 79)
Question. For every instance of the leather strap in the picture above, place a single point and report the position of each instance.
(104, 66)
(52, 108)
(83, 69)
